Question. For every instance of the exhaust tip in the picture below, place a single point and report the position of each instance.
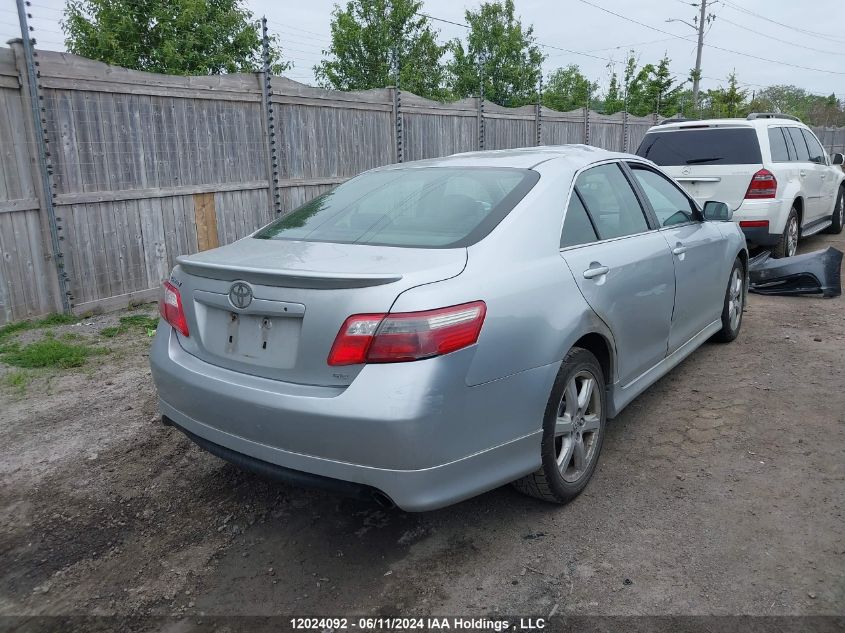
(382, 500)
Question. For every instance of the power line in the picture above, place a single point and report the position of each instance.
(720, 48)
(736, 7)
(778, 39)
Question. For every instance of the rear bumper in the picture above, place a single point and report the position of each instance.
(413, 431)
(772, 211)
(760, 236)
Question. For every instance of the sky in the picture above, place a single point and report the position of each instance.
(765, 41)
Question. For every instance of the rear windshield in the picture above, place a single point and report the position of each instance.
(428, 207)
(711, 146)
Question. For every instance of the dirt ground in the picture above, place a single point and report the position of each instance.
(719, 491)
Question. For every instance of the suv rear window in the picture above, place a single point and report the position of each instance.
(428, 207)
(702, 146)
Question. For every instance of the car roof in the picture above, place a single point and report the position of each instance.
(725, 123)
(520, 157)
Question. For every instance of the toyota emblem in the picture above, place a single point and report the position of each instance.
(240, 295)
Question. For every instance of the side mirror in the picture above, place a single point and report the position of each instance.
(717, 211)
(837, 159)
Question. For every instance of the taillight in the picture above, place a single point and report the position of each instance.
(763, 185)
(170, 307)
(406, 336)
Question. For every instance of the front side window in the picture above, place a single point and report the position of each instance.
(670, 205)
(777, 143)
(577, 227)
(802, 153)
(422, 207)
(816, 151)
(611, 202)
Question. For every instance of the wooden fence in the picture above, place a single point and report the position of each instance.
(147, 167)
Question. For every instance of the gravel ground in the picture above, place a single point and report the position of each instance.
(719, 491)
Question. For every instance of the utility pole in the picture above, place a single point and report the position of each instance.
(697, 77)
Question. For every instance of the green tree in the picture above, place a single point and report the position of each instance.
(726, 102)
(503, 50)
(661, 94)
(567, 89)
(613, 101)
(366, 36)
(180, 37)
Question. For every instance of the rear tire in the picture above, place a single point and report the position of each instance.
(573, 431)
(787, 246)
(838, 214)
(734, 304)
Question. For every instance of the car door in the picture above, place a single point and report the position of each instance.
(828, 182)
(698, 254)
(810, 174)
(622, 266)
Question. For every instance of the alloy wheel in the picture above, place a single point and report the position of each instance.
(792, 237)
(735, 298)
(577, 427)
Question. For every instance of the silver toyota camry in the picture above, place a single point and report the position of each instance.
(428, 331)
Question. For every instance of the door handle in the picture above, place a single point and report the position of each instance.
(802, 173)
(680, 249)
(598, 271)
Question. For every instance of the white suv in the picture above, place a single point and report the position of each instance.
(770, 168)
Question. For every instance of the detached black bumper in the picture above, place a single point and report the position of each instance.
(816, 273)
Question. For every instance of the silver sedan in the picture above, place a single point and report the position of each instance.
(428, 331)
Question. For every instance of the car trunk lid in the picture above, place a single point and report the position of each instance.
(272, 308)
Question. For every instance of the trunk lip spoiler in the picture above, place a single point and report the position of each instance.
(276, 277)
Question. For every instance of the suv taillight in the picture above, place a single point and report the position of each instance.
(763, 185)
(170, 307)
(406, 336)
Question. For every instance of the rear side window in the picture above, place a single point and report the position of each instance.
(429, 207)
(577, 227)
(611, 202)
(803, 154)
(702, 146)
(816, 151)
(780, 152)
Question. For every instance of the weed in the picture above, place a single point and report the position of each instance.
(17, 380)
(50, 352)
(51, 320)
(140, 321)
(57, 319)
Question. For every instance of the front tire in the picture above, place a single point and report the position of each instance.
(838, 219)
(573, 431)
(787, 246)
(734, 304)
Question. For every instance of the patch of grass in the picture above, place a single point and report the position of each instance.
(135, 321)
(140, 320)
(51, 320)
(13, 328)
(50, 352)
(12, 346)
(17, 380)
(57, 319)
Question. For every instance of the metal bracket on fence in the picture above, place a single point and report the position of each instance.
(44, 162)
(540, 112)
(398, 121)
(625, 139)
(482, 58)
(270, 119)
